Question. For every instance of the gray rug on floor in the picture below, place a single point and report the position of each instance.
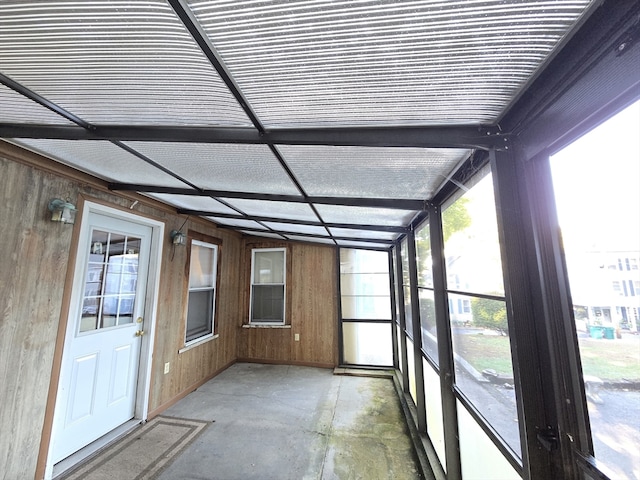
(143, 453)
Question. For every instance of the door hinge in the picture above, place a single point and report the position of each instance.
(548, 438)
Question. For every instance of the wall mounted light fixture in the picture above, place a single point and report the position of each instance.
(62, 211)
(177, 237)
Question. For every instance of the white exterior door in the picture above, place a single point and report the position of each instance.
(99, 374)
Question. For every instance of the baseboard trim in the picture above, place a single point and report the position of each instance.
(286, 362)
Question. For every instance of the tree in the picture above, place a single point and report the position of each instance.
(490, 314)
(455, 218)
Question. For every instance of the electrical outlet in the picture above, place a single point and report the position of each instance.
(166, 367)
(297, 337)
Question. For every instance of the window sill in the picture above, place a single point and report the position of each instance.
(197, 343)
(255, 325)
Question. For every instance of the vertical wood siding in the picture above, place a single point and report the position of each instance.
(35, 286)
(311, 309)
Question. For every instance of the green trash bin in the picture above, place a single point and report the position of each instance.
(596, 332)
(609, 333)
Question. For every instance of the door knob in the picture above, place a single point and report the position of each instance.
(139, 333)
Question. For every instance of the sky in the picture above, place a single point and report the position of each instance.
(597, 186)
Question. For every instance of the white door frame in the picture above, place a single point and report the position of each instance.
(151, 305)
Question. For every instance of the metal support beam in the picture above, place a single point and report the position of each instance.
(417, 333)
(401, 318)
(257, 218)
(522, 321)
(311, 235)
(394, 310)
(31, 95)
(471, 137)
(594, 75)
(556, 327)
(445, 346)
(339, 297)
(396, 204)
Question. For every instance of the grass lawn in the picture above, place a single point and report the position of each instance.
(611, 360)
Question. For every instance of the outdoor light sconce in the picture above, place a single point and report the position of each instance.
(62, 211)
(178, 238)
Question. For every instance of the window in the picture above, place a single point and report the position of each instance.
(202, 291)
(366, 307)
(426, 298)
(616, 287)
(268, 280)
(609, 345)
(477, 310)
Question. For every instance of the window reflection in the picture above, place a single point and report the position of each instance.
(111, 280)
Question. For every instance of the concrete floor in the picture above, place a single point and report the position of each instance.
(285, 422)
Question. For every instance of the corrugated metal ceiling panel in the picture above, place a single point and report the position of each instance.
(114, 62)
(373, 62)
(375, 172)
(192, 202)
(265, 208)
(101, 159)
(17, 108)
(293, 228)
(365, 215)
(231, 167)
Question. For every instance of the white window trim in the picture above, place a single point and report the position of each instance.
(251, 284)
(211, 335)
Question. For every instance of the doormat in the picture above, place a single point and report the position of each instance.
(143, 453)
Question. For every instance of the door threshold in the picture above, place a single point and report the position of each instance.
(95, 447)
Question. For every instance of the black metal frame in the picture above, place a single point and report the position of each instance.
(595, 74)
(446, 365)
(342, 320)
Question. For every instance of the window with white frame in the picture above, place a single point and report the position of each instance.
(268, 280)
(202, 291)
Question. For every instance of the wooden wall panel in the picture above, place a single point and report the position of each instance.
(32, 279)
(314, 313)
(311, 309)
(35, 285)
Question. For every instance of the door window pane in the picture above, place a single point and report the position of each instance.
(596, 183)
(111, 280)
